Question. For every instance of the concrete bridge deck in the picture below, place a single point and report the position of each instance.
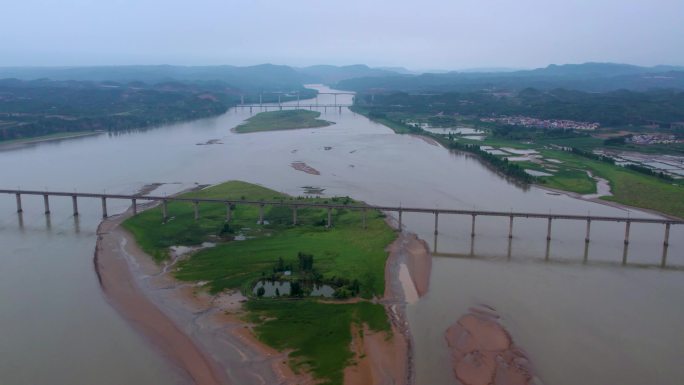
(399, 210)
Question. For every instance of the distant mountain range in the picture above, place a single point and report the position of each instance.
(593, 77)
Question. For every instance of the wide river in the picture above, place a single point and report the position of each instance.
(593, 321)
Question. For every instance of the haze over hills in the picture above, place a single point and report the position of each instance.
(592, 77)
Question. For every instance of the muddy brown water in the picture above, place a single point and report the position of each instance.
(590, 322)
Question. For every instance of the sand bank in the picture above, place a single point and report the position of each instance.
(483, 353)
(124, 294)
(205, 336)
(202, 335)
(301, 166)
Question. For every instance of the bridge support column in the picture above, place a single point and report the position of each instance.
(472, 227)
(436, 222)
(46, 199)
(229, 212)
(195, 205)
(294, 215)
(363, 218)
(627, 225)
(329, 217)
(666, 244)
(510, 227)
(134, 205)
(19, 209)
(104, 207)
(400, 224)
(74, 203)
(261, 214)
(587, 237)
(548, 230)
(165, 211)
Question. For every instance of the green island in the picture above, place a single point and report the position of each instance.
(282, 120)
(564, 158)
(347, 258)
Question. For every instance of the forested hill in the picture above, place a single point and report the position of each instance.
(590, 77)
(616, 108)
(43, 107)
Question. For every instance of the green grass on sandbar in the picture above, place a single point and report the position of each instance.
(346, 251)
(319, 334)
(282, 120)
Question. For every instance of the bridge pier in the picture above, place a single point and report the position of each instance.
(294, 215)
(134, 205)
(510, 228)
(195, 206)
(19, 209)
(261, 214)
(229, 212)
(329, 217)
(400, 224)
(586, 237)
(104, 207)
(436, 222)
(165, 211)
(548, 230)
(585, 258)
(625, 250)
(666, 244)
(627, 225)
(74, 203)
(472, 227)
(46, 200)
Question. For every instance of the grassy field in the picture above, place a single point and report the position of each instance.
(628, 187)
(319, 334)
(282, 120)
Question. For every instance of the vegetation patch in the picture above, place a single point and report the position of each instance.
(282, 120)
(346, 257)
(319, 334)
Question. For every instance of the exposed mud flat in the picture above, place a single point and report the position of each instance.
(483, 352)
(301, 166)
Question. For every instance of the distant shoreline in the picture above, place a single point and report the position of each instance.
(18, 143)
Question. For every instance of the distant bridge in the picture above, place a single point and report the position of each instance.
(308, 105)
(295, 205)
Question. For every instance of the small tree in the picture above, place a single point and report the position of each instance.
(261, 291)
(277, 292)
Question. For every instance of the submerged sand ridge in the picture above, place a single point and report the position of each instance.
(483, 352)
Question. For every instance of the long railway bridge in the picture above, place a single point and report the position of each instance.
(399, 211)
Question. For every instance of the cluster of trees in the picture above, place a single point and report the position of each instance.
(615, 108)
(507, 168)
(43, 107)
(305, 276)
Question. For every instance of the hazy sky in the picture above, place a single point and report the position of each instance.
(419, 34)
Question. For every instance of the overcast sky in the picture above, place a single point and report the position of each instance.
(418, 34)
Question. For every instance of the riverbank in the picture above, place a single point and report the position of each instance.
(18, 143)
(628, 189)
(203, 336)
